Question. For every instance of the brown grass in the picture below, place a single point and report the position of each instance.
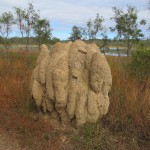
(15, 115)
(130, 98)
(128, 113)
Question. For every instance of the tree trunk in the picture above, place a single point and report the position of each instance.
(128, 48)
(27, 42)
(39, 46)
(118, 51)
(39, 42)
(118, 60)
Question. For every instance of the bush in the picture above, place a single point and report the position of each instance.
(140, 64)
(54, 40)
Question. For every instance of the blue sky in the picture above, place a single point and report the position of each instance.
(63, 14)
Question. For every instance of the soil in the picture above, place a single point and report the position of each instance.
(8, 143)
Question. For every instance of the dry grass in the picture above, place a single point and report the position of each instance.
(127, 117)
(130, 98)
(16, 117)
(127, 124)
(130, 102)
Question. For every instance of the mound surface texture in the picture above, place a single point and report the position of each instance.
(71, 83)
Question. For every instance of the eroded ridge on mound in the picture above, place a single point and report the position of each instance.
(71, 83)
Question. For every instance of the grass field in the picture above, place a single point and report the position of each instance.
(125, 127)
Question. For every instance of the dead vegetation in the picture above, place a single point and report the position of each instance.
(126, 126)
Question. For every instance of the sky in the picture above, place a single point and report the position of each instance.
(63, 14)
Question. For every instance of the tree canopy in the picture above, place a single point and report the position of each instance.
(127, 25)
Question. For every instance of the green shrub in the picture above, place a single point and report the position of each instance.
(140, 64)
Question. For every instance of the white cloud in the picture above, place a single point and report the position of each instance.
(71, 12)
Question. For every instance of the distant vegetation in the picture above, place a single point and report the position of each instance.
(140, 64)
(35, 30)
(29, 23)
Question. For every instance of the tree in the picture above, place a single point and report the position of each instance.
(95, 27)
(42, 30)
(30, 19)
(127, 27)
(20, 15)
(77, 33)
(105, 41)
(118, 28)
(26, 20)
(54, 40)
(89, 31)
(6, 22)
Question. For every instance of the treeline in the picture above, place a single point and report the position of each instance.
(33, 28)
(127, 29)
(22, 41)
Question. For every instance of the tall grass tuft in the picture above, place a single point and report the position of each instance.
(129, 100)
